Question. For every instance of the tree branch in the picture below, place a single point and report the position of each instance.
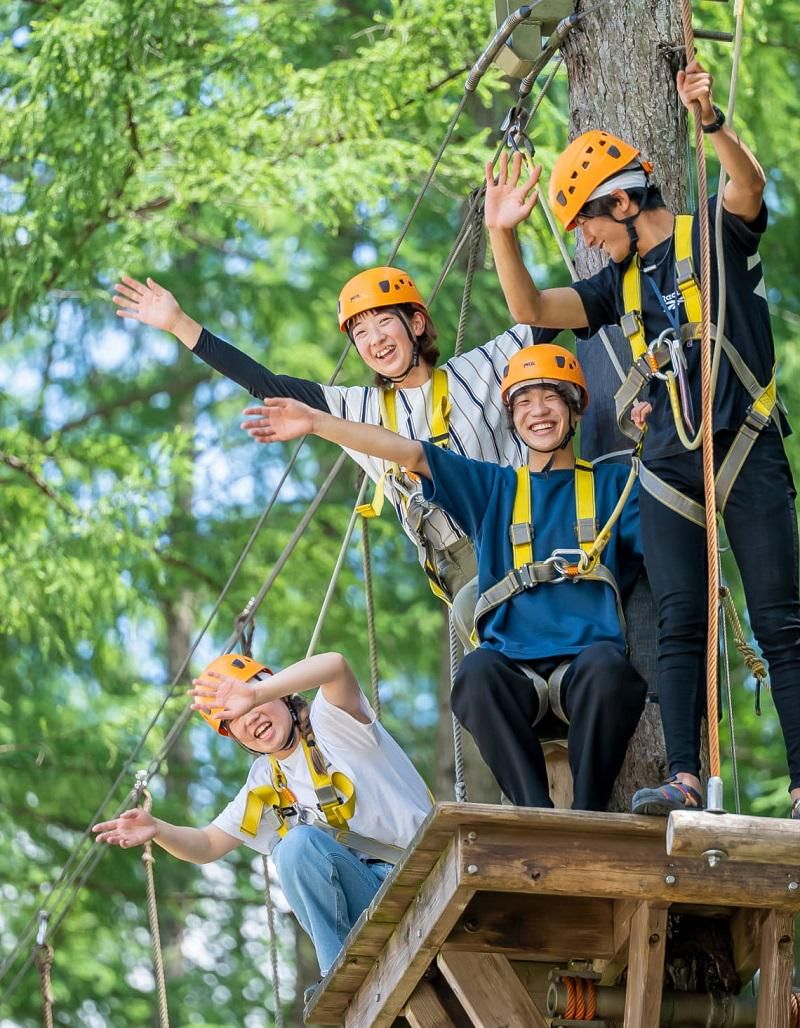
(20, 465)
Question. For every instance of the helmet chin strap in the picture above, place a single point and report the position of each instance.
(290, 739)
(630, 227)
(568, 437)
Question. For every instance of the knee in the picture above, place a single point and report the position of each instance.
(298, 852)
(682, 617)
(608, 678)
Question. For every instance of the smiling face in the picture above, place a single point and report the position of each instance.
(264, 729)
(542, 418)
(382, 340)
(604, 232)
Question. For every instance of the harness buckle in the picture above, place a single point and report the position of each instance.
(756, 419)
(630, 323)
(684, 270)
(524, 578)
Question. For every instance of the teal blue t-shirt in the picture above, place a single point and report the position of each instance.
(555, 619)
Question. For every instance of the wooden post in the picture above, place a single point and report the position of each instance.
(648, 943)
(777, 959)
(761, 840)
(489, 990)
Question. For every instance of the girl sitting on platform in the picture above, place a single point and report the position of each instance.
(331, 796)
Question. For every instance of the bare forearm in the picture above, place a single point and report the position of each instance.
(544, 308)
(321, 669)
(746, 178)
(195, 845)
(186, 329)
(373, 440)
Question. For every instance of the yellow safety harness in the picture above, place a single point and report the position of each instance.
(579, 564)
(414, 511)
(336, 800)
(649, 360)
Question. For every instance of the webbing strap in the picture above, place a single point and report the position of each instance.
(521, 529)
(671, 497)
(684, 265)
(585, 511)
(631, 321)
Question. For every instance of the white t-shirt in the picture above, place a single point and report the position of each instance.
(478, 424)
(391, 797)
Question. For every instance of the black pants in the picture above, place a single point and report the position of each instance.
(602, 695)
(762, 529)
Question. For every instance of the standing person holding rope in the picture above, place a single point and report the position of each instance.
(602, 186)
(456, 405)
(330, 795)
(557, 544)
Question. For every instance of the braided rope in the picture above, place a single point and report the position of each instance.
(44, 961)
(460, 784)
(712, 651)
(372, 639)
(152, 916)
(273, 946)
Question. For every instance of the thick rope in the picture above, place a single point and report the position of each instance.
(707, 404)
(273, 946)
(460, 784)
(152, 917)
(44, 962)
(372, 638)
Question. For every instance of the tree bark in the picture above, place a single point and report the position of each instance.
(621, 63)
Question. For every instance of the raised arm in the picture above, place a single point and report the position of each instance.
(229, 697)
(280, 420)
(136, 827)
(744, 189)
(151, 304)
(507, 205)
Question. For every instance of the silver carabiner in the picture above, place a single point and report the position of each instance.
(666, 338)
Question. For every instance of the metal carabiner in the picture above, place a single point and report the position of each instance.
(567, 569)
(666, 338)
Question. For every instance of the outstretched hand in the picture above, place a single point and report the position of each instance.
(507, 202)
(694, 86)
(132, 828)
(226, 696)
(147, 302)
(278, 420)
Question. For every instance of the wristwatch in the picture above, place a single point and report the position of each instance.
(717, 123)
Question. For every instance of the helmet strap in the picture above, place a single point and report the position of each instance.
(415, 347)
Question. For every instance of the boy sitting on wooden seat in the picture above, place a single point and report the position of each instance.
(549, 614)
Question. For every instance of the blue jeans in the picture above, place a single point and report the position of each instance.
(326, 885)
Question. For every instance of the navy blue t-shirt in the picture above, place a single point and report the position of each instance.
(747, 323)
(552, 619)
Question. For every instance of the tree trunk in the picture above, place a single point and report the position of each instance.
(621, 63)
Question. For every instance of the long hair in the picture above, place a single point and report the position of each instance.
(302, 713)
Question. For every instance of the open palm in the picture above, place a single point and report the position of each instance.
(147, 302)
(226, 696)
(507, 202)
(278, 420)
(132, 828)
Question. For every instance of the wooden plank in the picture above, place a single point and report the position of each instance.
(746, 928)
(610, 970)
(648, 944)
(489, 990)
(617, 865)
(411, 947)
(424, 1009)
(552, 928)
(775, 980)
(559, 775)
(758, 840)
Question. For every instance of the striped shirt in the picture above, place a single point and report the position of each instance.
(478, 425)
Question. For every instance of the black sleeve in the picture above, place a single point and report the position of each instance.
(254, 377)
(599, 296)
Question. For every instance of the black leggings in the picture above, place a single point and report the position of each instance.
(603, 697)
(761, 526)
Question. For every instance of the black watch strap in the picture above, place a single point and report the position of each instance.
(717, 123)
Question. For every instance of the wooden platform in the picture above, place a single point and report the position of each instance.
(490, 898)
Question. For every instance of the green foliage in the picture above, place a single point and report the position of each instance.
(248, 156)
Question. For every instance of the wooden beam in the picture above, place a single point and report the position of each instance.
(489, 990)
(777, 964)
(616, 865)
(546, 928)
(424, 1009)
(746, 928)
(759, 840)
(610, 970)
(412, 945)
(648, 944)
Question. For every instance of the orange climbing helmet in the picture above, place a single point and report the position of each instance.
(544, 364)
(377, 287)
(237, 666)
(589, 162)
